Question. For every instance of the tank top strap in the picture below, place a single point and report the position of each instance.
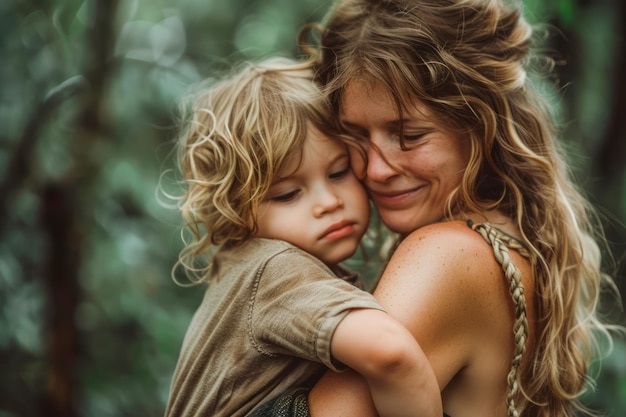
(501, 242)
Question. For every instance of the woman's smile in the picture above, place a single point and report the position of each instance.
(393, 198)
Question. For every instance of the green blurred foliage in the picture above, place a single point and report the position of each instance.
(90, 103)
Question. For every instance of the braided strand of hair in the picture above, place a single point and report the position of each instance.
(501, 242)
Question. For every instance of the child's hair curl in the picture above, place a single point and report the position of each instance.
(240, 133)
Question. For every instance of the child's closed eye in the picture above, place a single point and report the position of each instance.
(339, 174)
(285, 197)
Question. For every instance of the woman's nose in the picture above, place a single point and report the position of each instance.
(379, 169)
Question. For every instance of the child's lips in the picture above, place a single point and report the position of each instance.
(338, 230)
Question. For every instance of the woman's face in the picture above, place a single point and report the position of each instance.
(409, 187)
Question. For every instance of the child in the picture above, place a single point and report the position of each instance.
(272, 189)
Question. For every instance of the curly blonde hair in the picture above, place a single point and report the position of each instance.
(240, 133)
(468, 61)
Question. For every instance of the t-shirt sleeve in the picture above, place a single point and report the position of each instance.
(296, 305)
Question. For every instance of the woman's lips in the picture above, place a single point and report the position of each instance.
(392, 198)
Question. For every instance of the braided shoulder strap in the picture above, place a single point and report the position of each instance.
(501, 242)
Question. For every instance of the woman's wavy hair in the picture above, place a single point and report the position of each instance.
(468, 61)
(239, 134)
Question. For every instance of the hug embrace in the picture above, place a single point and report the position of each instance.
(487, 304)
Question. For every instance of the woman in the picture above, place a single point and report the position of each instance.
(497, 272)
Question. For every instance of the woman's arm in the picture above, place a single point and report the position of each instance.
(343, 394)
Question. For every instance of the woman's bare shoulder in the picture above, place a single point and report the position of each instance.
(442, 231)
(451, 250)
(444, 284)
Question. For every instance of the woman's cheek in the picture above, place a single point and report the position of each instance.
(358, 164)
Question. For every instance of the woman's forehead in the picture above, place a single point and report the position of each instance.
(364, 92)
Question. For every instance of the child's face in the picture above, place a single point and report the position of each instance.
(320, 207)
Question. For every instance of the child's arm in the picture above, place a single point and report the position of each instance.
(400, 378)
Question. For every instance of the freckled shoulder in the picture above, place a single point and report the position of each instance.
(444, 284)
(451, 247)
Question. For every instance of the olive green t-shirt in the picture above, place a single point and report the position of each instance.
(264, 325)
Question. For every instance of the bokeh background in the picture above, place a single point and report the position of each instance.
(90, 318)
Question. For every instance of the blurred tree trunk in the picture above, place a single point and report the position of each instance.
(62, 287)
(68, 219)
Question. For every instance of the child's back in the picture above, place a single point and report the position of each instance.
(240, 348)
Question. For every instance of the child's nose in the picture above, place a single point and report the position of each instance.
(328, 201)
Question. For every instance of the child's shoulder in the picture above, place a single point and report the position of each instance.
(271, 247)
(264, 250)
(258, 257)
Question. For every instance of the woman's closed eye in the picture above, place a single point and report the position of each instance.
(413, 137)
(411, 140)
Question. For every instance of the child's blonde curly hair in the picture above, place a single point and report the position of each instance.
(240, 133)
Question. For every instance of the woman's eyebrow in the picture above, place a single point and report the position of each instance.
(349, 125)
(391, 123)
